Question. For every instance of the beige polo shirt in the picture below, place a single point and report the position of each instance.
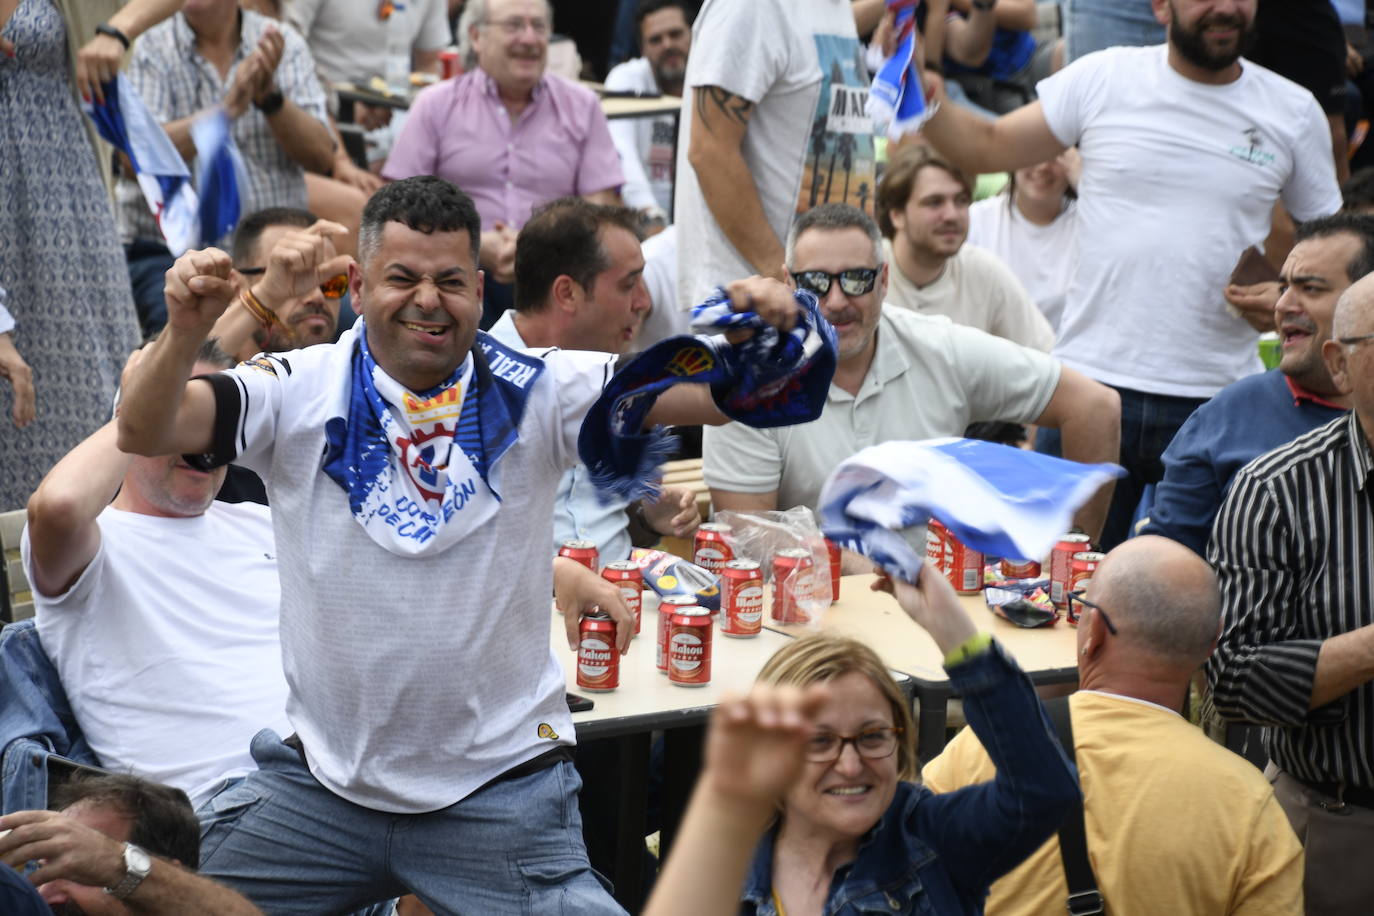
(978, 290)
(930, 378)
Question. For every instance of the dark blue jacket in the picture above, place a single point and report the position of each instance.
(1243, 421)
(938, 854)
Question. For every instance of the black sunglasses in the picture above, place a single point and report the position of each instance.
(853, 282)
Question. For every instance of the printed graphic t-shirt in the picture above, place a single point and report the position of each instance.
(808, 140)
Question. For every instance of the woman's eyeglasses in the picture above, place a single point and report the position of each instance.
(872, 743)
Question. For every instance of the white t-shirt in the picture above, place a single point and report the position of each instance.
(667, 317)
(1043, 258)
(414, 681)
(808, 140)
(645, 144)
(167, 643)
(930, 378)
(349, 42)
(1179, 178)
(975, 289)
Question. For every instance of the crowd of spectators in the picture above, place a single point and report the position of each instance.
(342, 460)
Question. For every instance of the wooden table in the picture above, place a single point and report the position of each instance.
(1047, 654)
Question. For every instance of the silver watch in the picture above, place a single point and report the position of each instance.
(137, 864)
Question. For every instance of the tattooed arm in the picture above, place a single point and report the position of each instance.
(719, 122)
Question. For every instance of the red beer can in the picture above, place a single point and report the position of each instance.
(965, 569)
(666, 609)
(791, 584)
(583, 552)
(1083, 566)
(834, 550)
(741, 598)
(712, 547)
(937, 546)
(598, 662)
(1020, 569)
(450, 64)
(689, 647)
(1060, 562)
(630, 578)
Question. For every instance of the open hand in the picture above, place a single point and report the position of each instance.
(767, 297)
(97, 63)
(673, 513)
(755, 749)
(17, 372)
(66, 848)
(300, 261)
(1255, 303)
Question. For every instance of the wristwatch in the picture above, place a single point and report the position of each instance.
(137, 864)
(270, 103)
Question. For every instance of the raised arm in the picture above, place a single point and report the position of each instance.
(720, 120)
(1013, 141)
(1088, 417)
(99, 59)
(71, 851)
(162, 411)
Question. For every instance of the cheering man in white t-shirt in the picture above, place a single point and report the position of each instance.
(432, 739)
(1186, 148)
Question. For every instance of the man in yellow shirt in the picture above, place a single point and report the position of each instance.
(1175, 823)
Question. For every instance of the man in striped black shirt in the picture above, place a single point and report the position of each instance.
(1292, 547)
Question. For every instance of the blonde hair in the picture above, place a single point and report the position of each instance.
(824, 657)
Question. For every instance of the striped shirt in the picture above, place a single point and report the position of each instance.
(1291, 547)
(175, 82)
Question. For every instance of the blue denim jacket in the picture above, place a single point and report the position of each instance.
(938, 854)
(36, 721)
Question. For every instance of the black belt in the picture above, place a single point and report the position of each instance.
(1348, 795)
(545, 760)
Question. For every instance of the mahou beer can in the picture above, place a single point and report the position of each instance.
(1020, 569)
(965, 569)
(583, 552)
(1081, 571)
(1060, 562)
(630, 578)
(712, 548)
(666, 609)
(833, 550)
(689, 647)
(598, 662)
(450, 64)
(791, 581)
(741, 598)
(936, 551)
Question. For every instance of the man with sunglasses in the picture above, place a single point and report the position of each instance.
(1291, 547)
(901, 375)
(293, 322)
(1174, 822)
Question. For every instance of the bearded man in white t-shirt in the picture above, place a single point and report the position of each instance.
(431, 746)
(158, 606)
(1186, 149)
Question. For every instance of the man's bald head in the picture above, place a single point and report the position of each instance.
(1355, 309)
(1162, 598)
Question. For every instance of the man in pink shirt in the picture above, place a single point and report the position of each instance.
(509, 134)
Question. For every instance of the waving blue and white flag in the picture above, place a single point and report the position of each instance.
(1003, 501)
(187, 219)
(896, 100)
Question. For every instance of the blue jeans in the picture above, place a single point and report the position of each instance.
(1148, 425)
(1091, 25)
(292, 846)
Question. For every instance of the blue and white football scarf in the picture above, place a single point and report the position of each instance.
(1003, 501)
(418, 466)
(896, 100)
(772, 379)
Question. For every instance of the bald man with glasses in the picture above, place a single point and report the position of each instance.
(901, 375)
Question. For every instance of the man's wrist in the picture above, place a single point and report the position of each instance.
(270, 102)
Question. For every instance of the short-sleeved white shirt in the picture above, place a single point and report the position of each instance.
(1179, 178)
(976, 289)
(167, 643)
(414, 681)
(929, 378)
(1043, 258)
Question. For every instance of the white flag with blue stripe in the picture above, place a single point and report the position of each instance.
(1003, 501)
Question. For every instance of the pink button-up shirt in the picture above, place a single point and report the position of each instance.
(459, 130)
